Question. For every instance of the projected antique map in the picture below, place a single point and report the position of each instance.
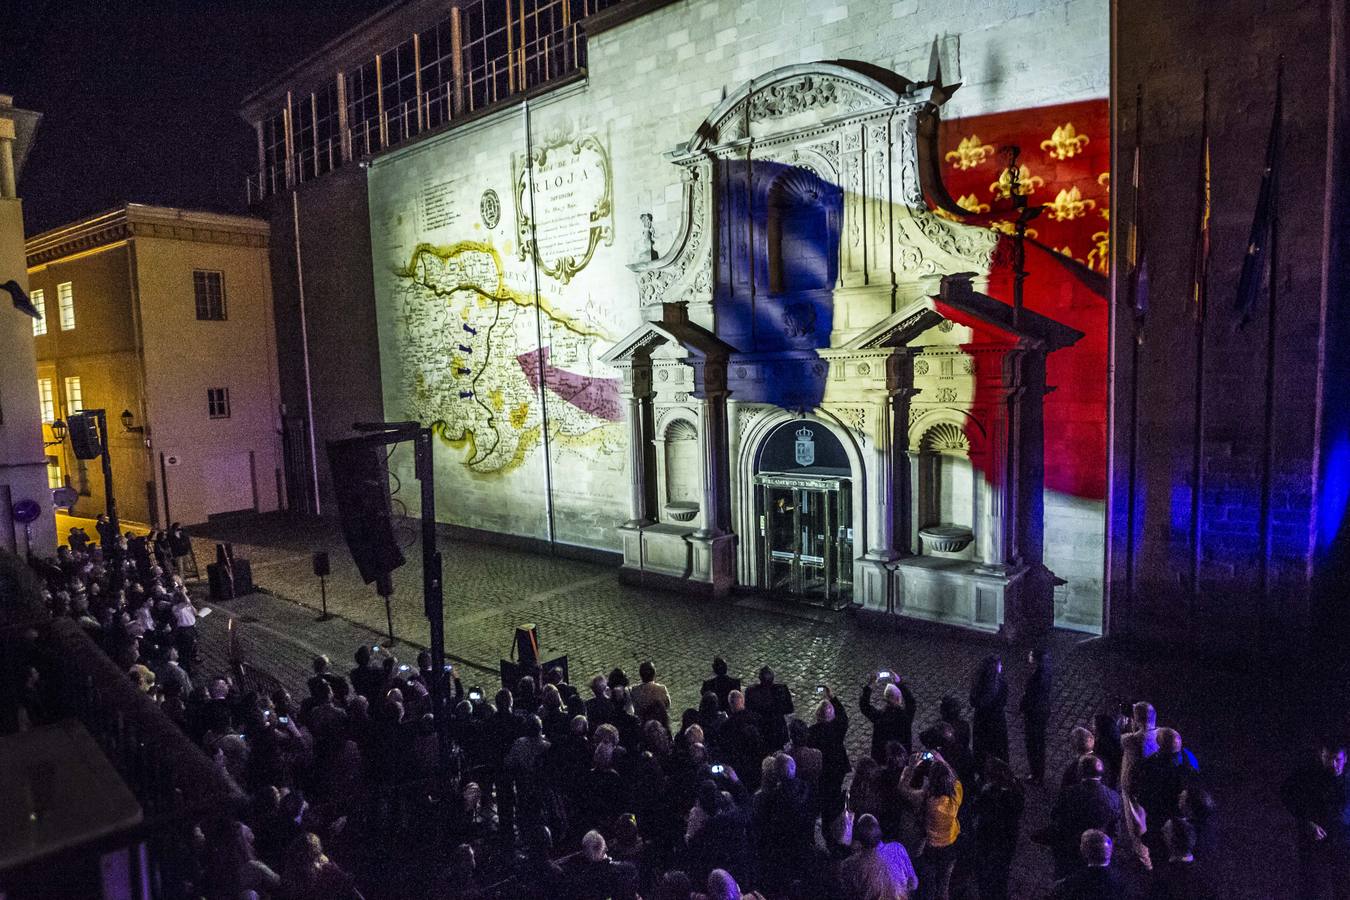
(473, 367)
(498, 289)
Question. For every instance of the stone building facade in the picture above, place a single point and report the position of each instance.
(809, 349)
(165, 315)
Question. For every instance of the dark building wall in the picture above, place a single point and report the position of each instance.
(1332, 540)
(1167, 47)
(344, 354)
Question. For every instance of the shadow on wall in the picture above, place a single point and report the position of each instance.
(777, 268)
(777, 271)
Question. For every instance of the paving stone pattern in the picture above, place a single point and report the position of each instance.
(1227, 718)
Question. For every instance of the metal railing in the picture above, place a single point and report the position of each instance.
(544, 59)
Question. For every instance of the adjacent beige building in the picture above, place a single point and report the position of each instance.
(165, 314)
(21, 460)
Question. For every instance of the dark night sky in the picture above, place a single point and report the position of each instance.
(140, 98)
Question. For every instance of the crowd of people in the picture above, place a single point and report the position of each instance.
(620, 794)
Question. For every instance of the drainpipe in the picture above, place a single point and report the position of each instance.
(304, 344)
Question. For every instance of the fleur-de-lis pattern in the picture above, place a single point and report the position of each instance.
(1099, 257)
(970, 153)
(1026, 183)
(1074, 191)
(1069, 204)
(972, 203)
(1069, 173)
(1006, 226)
(1065, 142)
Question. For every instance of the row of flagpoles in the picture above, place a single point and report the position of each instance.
(1259, 266)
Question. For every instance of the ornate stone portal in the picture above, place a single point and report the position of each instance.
(810, 287)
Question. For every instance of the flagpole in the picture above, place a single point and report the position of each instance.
(1200, 292)
(1132, 251)
(1267, 450)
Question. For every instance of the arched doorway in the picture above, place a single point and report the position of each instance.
(804, 503)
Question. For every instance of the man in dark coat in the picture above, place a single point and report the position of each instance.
(827, 734)
(1158, 785)
(1085, 806)
(784, 825)
(499, 732)
(599, 709)
(1096, 880)
(989, 721)
(1035, 710)
(894, 721)
(592, 875)
(365, 678)
(771, 702)
(721, 683)
(1318, 796)
(740, 739)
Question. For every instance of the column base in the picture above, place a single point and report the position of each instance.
(679, 558)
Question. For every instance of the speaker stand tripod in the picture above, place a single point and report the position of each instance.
(323, 600)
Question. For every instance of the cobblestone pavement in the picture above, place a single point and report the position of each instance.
(1228, 718)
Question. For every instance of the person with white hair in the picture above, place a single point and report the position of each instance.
(722, 886)
(828, 735)
(1097, 880)
(592, 875)
(895, 720)
(784, 824)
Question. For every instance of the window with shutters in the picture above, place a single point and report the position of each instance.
(218, 403)
(39, 298)
(48, 399)
(74, 395)
(65, 299)
(209, 290)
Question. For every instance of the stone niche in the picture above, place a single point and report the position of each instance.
(810, 281)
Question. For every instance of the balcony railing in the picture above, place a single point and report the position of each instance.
(546, 59)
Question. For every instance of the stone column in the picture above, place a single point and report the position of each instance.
(637, 384)
(710, 382)
(712, 423)
(8, 181)
(890, 523)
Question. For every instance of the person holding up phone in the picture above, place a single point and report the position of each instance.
(937, 799)
(827, 734)
(894, 721)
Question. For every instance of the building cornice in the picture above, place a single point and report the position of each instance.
(135, 220)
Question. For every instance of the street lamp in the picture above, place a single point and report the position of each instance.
(127, 418)
(58, 432)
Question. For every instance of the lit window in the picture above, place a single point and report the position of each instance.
(39, 299)
(54, 472)
(209, 288)
(218, 403)
(74, 395)
(65, 298)
(47, 399)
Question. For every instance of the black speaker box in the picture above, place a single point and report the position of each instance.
(321, 565)
(84, 436)
(361, 482)
(223, 587)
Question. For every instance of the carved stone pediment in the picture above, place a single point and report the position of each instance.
(837, 146)
(776, 102)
